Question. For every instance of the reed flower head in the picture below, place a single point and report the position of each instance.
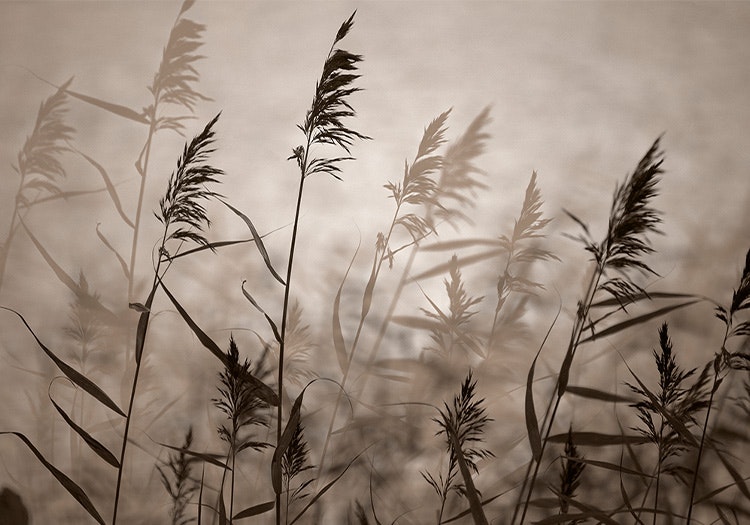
(182, 205)
(323, 122)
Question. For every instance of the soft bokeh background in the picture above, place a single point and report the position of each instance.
(578, 91)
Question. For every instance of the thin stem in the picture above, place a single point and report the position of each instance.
(575, 338)
(231, 493)
(142, 171)
(5, 250)
(705, 423)
(287, 288)
(125, 441)
(135, 381)
(658, 477)
(700, 451)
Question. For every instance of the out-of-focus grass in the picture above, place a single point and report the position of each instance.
(363, 421)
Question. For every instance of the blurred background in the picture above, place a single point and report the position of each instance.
(577, 92)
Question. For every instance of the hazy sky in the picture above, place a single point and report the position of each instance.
(579, 91)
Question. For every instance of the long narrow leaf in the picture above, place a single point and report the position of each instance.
(255, 510)
(66, 279)
(258, 241)
(208, 458)
(339, 345)
(261, 389)
(250, 298)
(599, 395)
(123, 264)
(633, 321)
(140, 332)
(69, 485)
(93, 444)
(325, 489)
(368, 293)
(115, 109)
(597, 439)
(532, 424)
(412, 321)
(219, 244)
(79, 379)
(440, 269)
(641, 296)
(110, 188)
(461, 243)
(610, 466)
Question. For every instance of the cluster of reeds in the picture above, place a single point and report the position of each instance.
(378, 428)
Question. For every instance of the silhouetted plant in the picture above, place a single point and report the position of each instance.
(176, 476)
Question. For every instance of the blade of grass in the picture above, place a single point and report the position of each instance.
(116, 109)
(599, 395)
(123, 264)
(634, 321)
(325, 489)
(532, 425)
(263, 391)
(339, 345)
(442, 268)
(598, 439)
(76, 377)
(93, 444)
(110, 187)
(73, 489)
(261, 310)
(208, 458)
(258, 241)
(255, 510)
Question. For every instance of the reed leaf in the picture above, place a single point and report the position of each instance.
(339, 344)
(76, 377)
(120, 259)
(92, 442)
(73, 489)
(263, 391)
(255, 510)
(258, 241)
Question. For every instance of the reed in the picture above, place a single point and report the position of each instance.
(418, 325)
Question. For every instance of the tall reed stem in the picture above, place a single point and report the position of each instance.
(142, 171)
(130, 406)
(287, 289)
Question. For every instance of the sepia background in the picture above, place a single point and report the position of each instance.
(577, 93)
